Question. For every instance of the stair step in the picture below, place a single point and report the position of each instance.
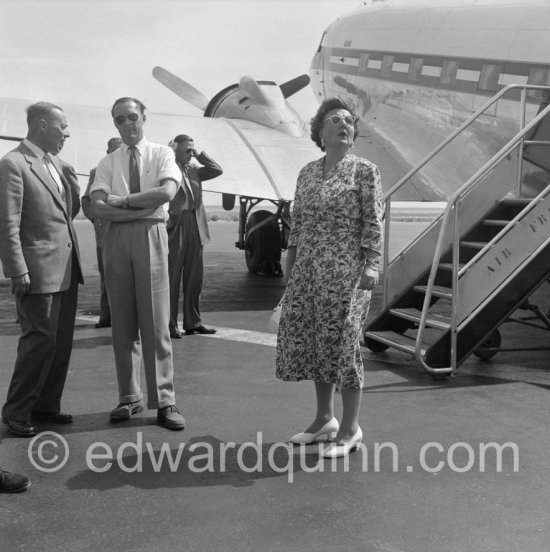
(437, 321)
(402, 342)
(516, 201)
(473, 245)
(449, 266)
(438, 291)
(495, 222)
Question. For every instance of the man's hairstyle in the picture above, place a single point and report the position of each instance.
(319, 118)
(114, 140)
(182, 138)
(40, 110)
(141, 105)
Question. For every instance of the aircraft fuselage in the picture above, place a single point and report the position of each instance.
(416, 71)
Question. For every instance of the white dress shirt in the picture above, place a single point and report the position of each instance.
(156, 163)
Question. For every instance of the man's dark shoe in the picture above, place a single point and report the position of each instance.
(103, 324)
(171, 418)
(200, 330)
(125, 410)
(53, 417)
(21, 428)
(175, 333)
(12, 482)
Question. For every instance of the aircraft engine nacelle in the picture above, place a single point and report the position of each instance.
(263, 234)
(261, 102)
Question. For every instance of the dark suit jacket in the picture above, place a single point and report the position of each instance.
(71, 178)
(210, 169)
(37, 235)
(100, 226)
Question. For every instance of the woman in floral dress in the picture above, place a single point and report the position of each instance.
(332, 266)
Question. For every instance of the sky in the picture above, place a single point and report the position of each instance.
(91, 52)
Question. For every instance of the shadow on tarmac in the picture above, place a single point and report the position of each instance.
(204, 461)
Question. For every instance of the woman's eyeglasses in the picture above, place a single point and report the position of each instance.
(337, 119)
(122, 118)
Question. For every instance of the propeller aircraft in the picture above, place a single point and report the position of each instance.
(414, 71)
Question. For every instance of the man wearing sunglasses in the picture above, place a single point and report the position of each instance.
(132, 188)
(187, 235)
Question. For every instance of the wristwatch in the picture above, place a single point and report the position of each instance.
(126, 203)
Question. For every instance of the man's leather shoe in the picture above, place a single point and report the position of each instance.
(21, 428)
(125, 410)
(12, 482)
(200, 330)
(53, 417)
(175, 333)
(102, 324)
(171, 418)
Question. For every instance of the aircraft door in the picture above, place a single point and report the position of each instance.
(319, 69)
(538, 155)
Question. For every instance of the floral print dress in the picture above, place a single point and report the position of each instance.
(323, 310)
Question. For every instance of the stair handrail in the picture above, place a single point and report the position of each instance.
(400, 183)
(451, 206)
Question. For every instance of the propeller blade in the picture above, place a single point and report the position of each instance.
(294, 85)
(12, 138)
(181, 88)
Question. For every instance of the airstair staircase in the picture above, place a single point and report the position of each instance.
(449, 290)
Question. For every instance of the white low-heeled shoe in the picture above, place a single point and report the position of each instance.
(330, 429)
(338, 451)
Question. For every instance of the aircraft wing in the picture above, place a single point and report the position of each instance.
(257, 161)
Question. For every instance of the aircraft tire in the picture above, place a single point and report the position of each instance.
(492, 342)
(263, 245)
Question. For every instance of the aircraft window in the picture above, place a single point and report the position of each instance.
(387, 63)
(540, 76)
(448, 73)
(363, 62)
(489, 76)
(415, 68)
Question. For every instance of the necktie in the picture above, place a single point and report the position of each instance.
(55, 176)
(188, 188)
(134, 172)
(195, 190)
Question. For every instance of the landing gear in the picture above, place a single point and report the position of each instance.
(262, 235)
(263, 244)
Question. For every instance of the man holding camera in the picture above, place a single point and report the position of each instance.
(187, 235)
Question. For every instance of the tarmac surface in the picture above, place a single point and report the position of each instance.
(425, 481)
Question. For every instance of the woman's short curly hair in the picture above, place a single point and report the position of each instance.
(318, 119)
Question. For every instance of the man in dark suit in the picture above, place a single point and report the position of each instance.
(39, 252)
(187, 236)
